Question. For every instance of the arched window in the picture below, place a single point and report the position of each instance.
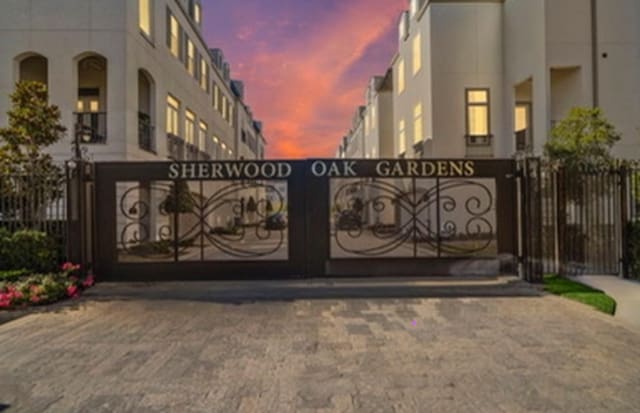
(34, 68)
(91, 106)
(146, 111)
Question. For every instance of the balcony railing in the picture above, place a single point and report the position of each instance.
(192, 152)
(145, 133)
(175, 147)
(479, 140)
(479, 146)
(523, 140)
(95, 123)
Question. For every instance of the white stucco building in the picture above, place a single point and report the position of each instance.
(137, 74)
(488, 78)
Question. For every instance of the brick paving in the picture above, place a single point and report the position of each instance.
(182, 349)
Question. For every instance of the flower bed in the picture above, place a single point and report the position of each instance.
(22, 288)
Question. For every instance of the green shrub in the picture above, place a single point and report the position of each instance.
(28, 250)
(12, 275)
(633, 248)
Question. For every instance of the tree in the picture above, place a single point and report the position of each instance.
(34, 124)
(580, 146)
(583, 139)
(29, 179)
(179, 199)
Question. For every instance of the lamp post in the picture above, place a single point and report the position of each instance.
(83, 134)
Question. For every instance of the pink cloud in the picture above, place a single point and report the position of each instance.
(297, 86)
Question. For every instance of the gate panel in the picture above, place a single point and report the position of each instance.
(201, 220)
(423, 217)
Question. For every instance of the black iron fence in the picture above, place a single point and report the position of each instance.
(35, 202)
(580, 221)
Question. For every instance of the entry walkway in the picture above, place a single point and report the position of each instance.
(151, 348)
(625, 292)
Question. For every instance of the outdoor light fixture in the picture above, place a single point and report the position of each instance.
(83, 134)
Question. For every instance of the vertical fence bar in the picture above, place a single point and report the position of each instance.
(624, 212)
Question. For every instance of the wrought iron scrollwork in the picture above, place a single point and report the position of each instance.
(448, 217)
(255, 224)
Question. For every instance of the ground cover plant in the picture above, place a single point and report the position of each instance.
(22, 288)
(572, 290)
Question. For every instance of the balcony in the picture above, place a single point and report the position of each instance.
(176, 147)
(96, 125)
(145, 133)
(479, 146)
(523, 141)
(192, 152)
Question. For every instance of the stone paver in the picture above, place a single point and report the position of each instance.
(191, 352)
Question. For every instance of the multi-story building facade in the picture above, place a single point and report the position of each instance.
(489, 78)
(378, 117)
(250, 141)
(353, 145)
(136, 77)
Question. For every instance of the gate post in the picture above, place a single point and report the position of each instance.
(531, 216)
(79, 217)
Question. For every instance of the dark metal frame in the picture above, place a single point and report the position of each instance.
(309, 230)
(321, 263)
(107, 265)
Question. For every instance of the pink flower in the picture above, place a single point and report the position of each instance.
(35, 289)
(35, 299)
(69, 266)
(89, 281)
(72, 291)
(16, 294)
(5, 303)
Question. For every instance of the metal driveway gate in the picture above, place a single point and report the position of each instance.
(275, 219)
(200, 220)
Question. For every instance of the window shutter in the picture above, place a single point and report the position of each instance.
(169, 28)
(182, 40)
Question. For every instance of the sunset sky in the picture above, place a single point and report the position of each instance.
(305, 63)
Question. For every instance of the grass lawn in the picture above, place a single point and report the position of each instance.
(579, 292)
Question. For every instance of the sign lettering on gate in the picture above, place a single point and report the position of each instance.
(324, 169)
(426, 169)
(229, 170)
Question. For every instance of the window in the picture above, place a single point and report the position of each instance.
(190, 127)
(197, 13)
(216, 97)
(417, 53)
(216, 144)
(202, 137)
(174, 36)
(418, 133)
(191, 58)
(400, 76)
(224, 107)
(204, 75)
(478, 113)
(366, 124)
(173, 114)
(144, 17)
(374, 109)
(402, 145)
(230, 113)
(522, 126)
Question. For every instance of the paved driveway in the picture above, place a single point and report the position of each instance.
(176, 348)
